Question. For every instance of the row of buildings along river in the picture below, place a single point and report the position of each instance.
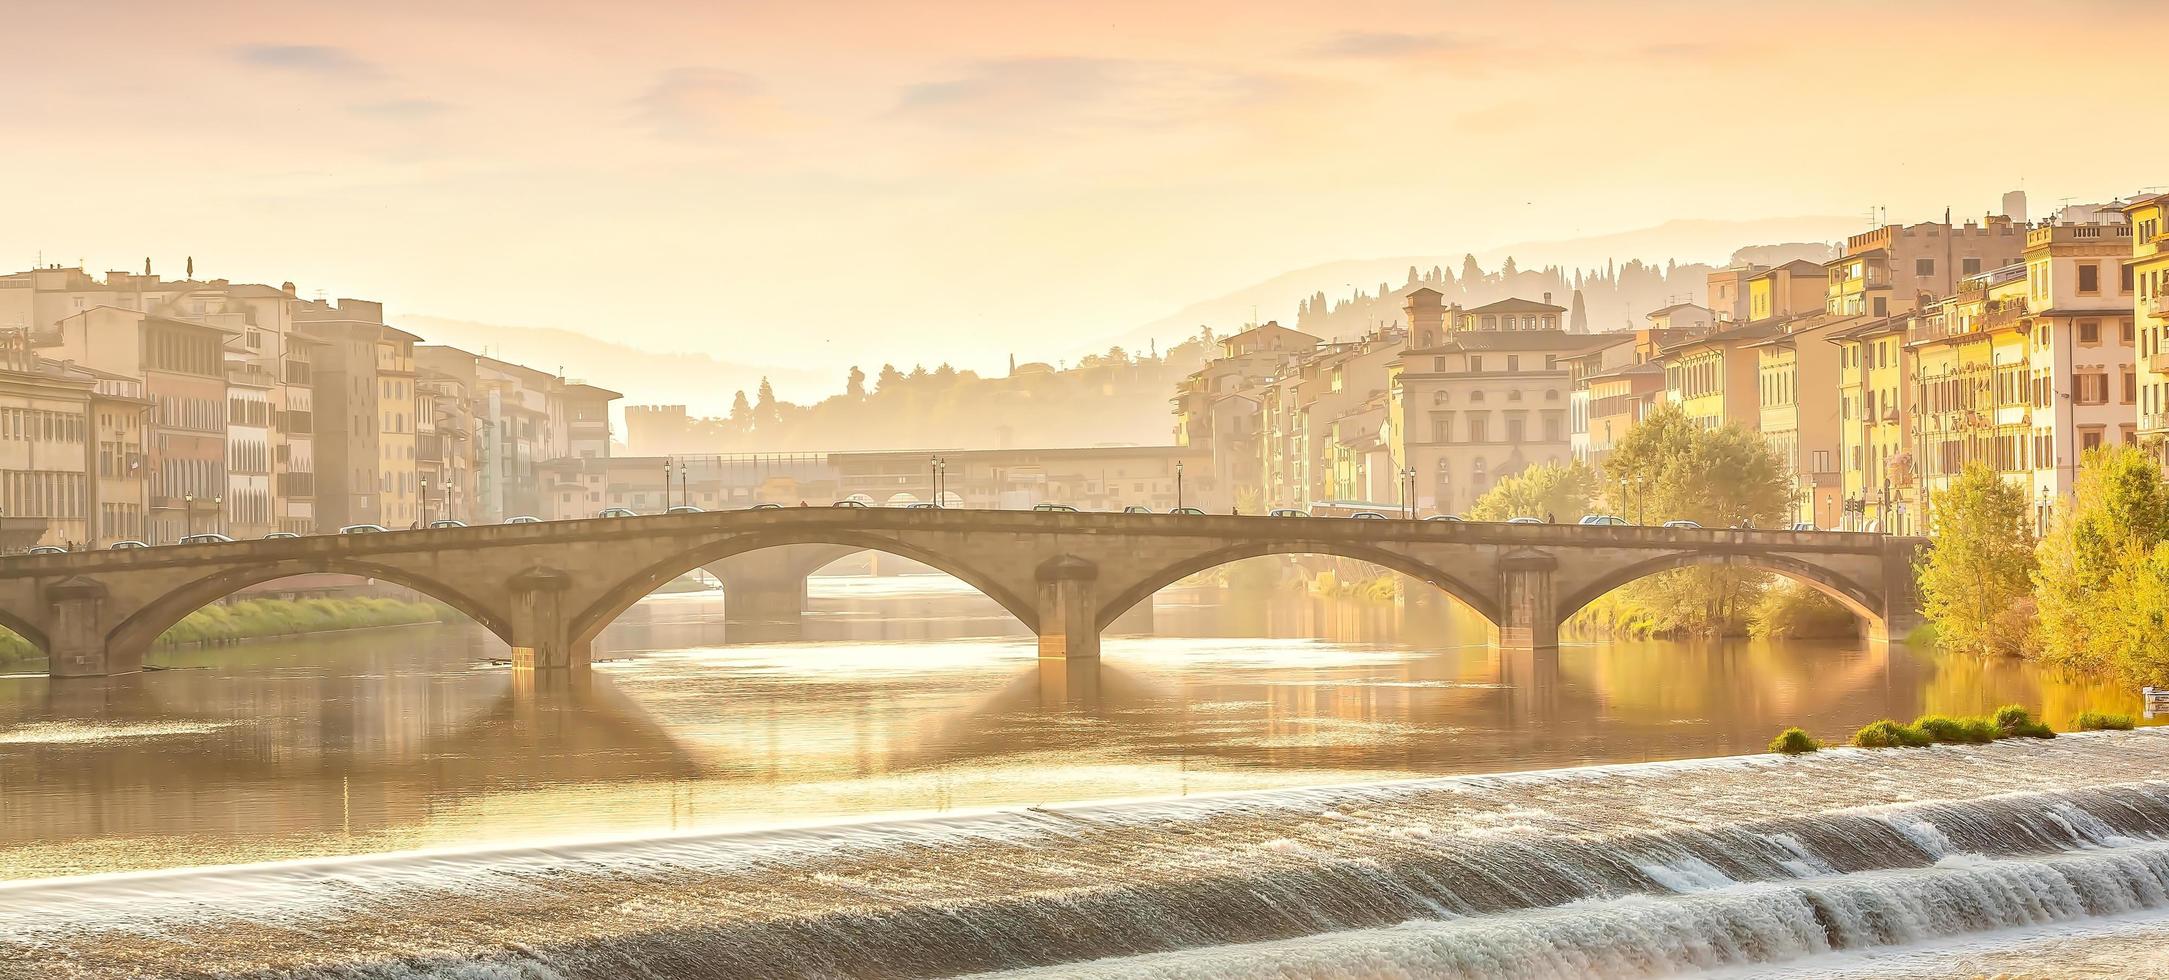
(1879, 374)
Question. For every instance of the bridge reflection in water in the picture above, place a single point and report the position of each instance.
(370, 742)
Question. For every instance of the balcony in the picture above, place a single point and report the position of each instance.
(2159, 363)
(2158, 306)
(2153, 421)
(2003, 314)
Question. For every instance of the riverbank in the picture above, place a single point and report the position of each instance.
(257, 619)
(1626, 870)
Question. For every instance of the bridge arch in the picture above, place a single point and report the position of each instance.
(21, 627)
(613, 603)
(1847, 592)
(1474, 598)
(143, 627)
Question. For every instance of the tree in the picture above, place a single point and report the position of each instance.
(1577, 314)
(1979, 571)
(1668, 468)
(1563, 491)
(2120, 511)
(890, 377)
(855, 385)
(765, 415)
(1470, 272)
(741, 413)
(2136, 631)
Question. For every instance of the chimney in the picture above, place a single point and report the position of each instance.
(1547, 297)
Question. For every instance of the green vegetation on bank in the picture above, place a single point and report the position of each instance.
(250, 619)
(2090, 598)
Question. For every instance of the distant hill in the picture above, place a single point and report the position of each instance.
(699, 381)
(1697, 241)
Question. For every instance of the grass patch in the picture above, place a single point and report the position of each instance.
(1957, 731)
(2014, 721)
(1888, 734)
(2101, 721)
(1922, 636)
(14, 648)
(1794, 741)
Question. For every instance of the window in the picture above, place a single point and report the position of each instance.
(2089, 277)
(2123, 280)
(1476, 362)
(1476, 396)
(1516, 429)
(2089, 332)
(2124, 329)
(1479, 427)
(1513, 362)
(2089, 439)
(1969, 267)
(1924, 267)
(2092, 389)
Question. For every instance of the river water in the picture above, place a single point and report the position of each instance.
(1280, 785)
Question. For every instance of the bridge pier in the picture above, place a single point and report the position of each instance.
(76, 639)
(1529, 606)
(542, 637)
(1068, 609)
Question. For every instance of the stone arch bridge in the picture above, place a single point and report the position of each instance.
(547, 589)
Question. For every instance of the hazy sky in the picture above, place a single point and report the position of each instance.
(820, 182)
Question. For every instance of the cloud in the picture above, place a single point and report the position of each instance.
(1392, 45)
(401, 109)
(697, 103)
(308, 59)
(1077, 92)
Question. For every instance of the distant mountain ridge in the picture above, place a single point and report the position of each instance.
(1710, 241)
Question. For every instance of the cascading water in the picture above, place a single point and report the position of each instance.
(1626, 871)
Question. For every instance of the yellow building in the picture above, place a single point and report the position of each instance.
(1797, 378)
(2148, 272)
(1877, 477)
(1714, 378)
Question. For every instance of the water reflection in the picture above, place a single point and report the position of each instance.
(903, 696)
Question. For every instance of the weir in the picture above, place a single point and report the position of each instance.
(1783, 864)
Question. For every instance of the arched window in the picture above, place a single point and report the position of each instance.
(1551, 394)
(1476, 396)
(1513, 396)
(1438, 398)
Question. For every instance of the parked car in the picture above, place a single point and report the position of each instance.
(615, 512)
(206, 538)
(1803, 526)
(1367, 515)
(923, 505)
(1681, 524)
(1524, 520)
(446, 523)
(1446, 517)
(849, 503)
(364, 529)
(1134, 509)
(1604, 520)
(685, 509)
(280, 535)
(766, 507)
(1188, 512)
(523, 519)
(47, 549)
(1054, 508)
(126, 545)
(1288, 512)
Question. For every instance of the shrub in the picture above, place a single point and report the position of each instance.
(2101, 721)
(1888, 734)
(1969, 731)
(1794, 741)
(2014, 721)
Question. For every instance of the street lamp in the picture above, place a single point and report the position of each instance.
(685, 497)
(666, 484)
(2040, 515)
(425, 501)
(1408, 498)
(218, 508)
(1178, 484)
(188, 514)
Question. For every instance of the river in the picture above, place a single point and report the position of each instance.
(1275, 784)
